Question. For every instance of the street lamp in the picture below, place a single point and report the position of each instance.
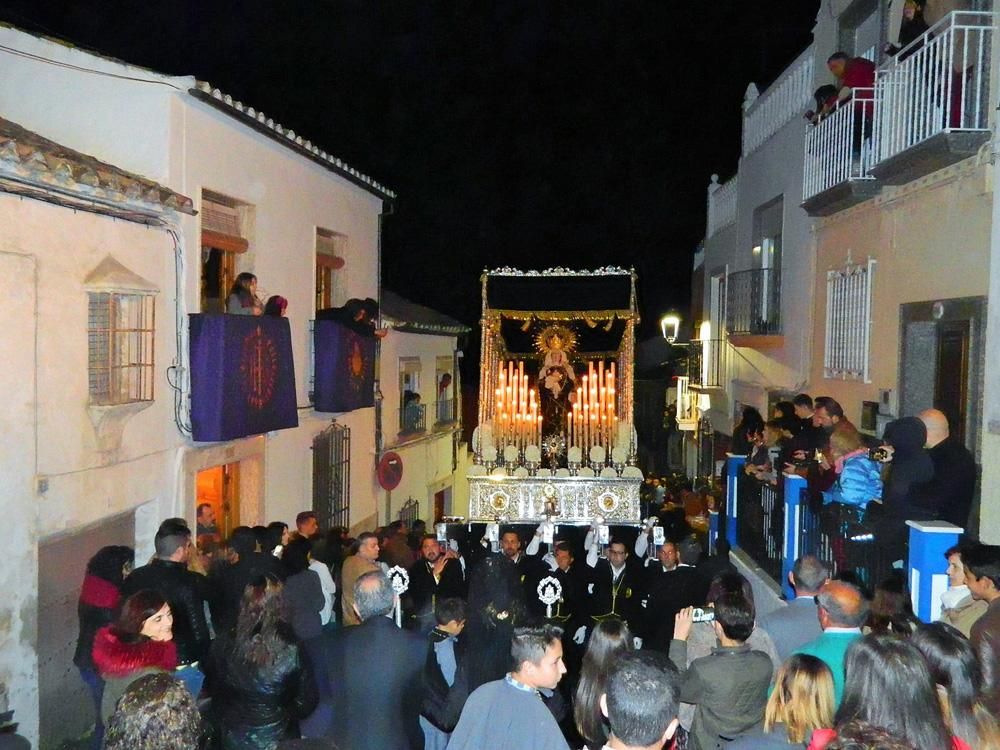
(670, 326)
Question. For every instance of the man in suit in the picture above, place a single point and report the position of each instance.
(954, 483)
(363, 561)
(670, 587)
(436, 575)
(375, 670)
(617, 586)
(793, 626)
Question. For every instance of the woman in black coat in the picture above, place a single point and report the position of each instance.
(904, 489)
(259, 674)
(100, 598)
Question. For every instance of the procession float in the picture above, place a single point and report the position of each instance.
(555, 442)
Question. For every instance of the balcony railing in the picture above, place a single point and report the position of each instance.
(412, 419)
(939, 83)
(775, 523)
(784, 100)
(839, 147)
(753, 302)
(706, 363)
(721, 204)
(444, 411)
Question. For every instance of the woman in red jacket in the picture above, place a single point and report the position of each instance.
(138, 643)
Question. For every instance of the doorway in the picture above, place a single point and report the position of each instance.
(941, 363)
(442, 504)
(219, 488)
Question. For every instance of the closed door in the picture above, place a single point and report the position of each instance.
(951, 382)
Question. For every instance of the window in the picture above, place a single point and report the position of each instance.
(330, 248)
(848, 321)
(332, 476)
(120, 332)
(223, 237)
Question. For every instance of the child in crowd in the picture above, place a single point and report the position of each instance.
(445, 687)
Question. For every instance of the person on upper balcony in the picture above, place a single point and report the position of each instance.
(360, 315)
(911, 28)
(243, 299)
(851, 73)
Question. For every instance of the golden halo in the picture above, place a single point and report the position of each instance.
(566, 335)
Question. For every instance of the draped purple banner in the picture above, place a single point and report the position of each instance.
(345, 368)
(242, 376)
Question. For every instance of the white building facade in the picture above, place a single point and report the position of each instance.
(888, 215)
(82, 475)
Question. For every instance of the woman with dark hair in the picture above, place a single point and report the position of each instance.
(276, 306)
(891, 610)
(262, 679)
(889, 685)
(750, 425)
(801, 702)
(139, 642)
(243, 298)
(100, 596)
(958, 675)
(156, 713)
(610, 639)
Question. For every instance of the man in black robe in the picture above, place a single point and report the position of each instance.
(617, 586)
(954, 483)
(436, 575)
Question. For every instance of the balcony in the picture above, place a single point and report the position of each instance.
(930, 108)
(444, 411)
(753, 307)
(706, 364)
(410, 422)
(933, 99)
(838, 157)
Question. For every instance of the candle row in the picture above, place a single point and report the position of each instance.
(593, 419)
(517, 421)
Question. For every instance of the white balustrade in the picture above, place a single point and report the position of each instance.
(788, 97)
(721, 204)
(839, 147)
(938, 83)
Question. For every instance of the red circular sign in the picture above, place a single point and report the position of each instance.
(390, 471)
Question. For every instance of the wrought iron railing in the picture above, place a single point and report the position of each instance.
(706, 363)
(839, 147)
(939, 83)
(753, 302)
(760, 532)
(444, 411)
(837, 535)
(412, 419)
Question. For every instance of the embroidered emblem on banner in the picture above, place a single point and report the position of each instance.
(258, 368)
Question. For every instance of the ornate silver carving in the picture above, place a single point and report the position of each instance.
(565, 499)
(561, 271)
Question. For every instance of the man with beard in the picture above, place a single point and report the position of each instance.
(530, 568)
(436, 575)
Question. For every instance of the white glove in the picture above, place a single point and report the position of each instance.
(590, 588)
(550, 560)
(453, 545)
(637, 643)
(580, 635)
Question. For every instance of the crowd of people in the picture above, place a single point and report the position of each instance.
(248, 648)
(860, 484)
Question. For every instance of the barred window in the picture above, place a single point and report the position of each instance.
(848, 321)
(120, 332)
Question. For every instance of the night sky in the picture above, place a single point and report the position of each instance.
(524, 133)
